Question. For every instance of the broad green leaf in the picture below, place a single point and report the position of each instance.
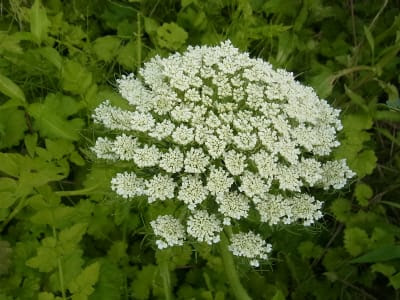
(82, 286)
(39, 21)
(30, 143)
(356, 99)
(45, 296)
(52, 56)
(384, 253)
(341, 208)
(8, 187)
(364, 163)
(356, 240)
(171, 36)
(46, 257)
(106, 47)
(12, 127)
(53, 117)
(363, 193)
(70, 237)
(10, 163)
(110, 283)
(75, 78)
(142, 285)
(10, 89)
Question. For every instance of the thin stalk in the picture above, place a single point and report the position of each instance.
(237, 288)
(60, 270)
(164, 272)
(77, 192)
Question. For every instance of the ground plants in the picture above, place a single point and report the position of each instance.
(66, 235)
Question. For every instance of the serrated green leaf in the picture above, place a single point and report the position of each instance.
(8, 187)
(171, 36)
(82, 286)
(341, 208)
(52, 56)
(30, 143)
(141, 286)
(75, 78)
(356, 99)
(10, 89)
(356, 240)
(39, 21)
(70, 237)
(53, 117)
(106, 47)
(110, 282)
(363, 193)
(364, 163)
(45, 296)
(46, 257)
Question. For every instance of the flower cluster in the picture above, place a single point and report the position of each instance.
(224, 134)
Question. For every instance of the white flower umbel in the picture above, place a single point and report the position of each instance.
(192, 191)
(160, 187)
(204, 227)
(250, 246)
(219, 130)
(170, 231)
(127, 185)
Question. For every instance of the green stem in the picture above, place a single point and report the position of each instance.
(164, 272)
(60, 270)
(230, 270)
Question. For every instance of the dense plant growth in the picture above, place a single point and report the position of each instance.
(65, 234)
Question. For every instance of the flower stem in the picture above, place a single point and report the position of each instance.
(164, 272)
(237, 288)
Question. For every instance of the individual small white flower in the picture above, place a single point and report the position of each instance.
(183, 135)
(233, 205)
(251, 246)
(124, 147)
(162, 130)
(235, 162)
(218, 181)
(127, 185)
(146, 156)
(204, 227)
(172, 161)
(170, 231)
(192, 191)
(160, 187)
(104, 149)
(252, 184)
(196, 161)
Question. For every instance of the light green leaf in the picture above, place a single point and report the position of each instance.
(75, 78)
(370, 39)
(106, 47)
(363, 193)
(47, 256)
(30, 143)
(52, 56)
(364, 163)
(53, 117)
(356, 240)
(39, 21)
(82, 286)
(10, 89)
(12, 127)
(171, 36)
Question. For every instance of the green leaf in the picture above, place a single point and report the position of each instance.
(370, 39)
(45, 296)
(363, 193)
(70, 237)
(52, 56)
(364, 163)
(39, 21)
(10, 163)
(75, 78)
(82, 286)
(110, 283)
(279, 295)
(106, 47)
(384, 253)
(12, 127)
(30, 143)
(356, 99)
(46, 257)
(341, 208)
(171, 36)
(356, 240)
(141, 286)
(53, 117)
(8, 187)
(10, 89)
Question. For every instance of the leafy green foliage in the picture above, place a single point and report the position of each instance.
(65, 235)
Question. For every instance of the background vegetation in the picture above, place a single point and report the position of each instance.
(65, 235)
